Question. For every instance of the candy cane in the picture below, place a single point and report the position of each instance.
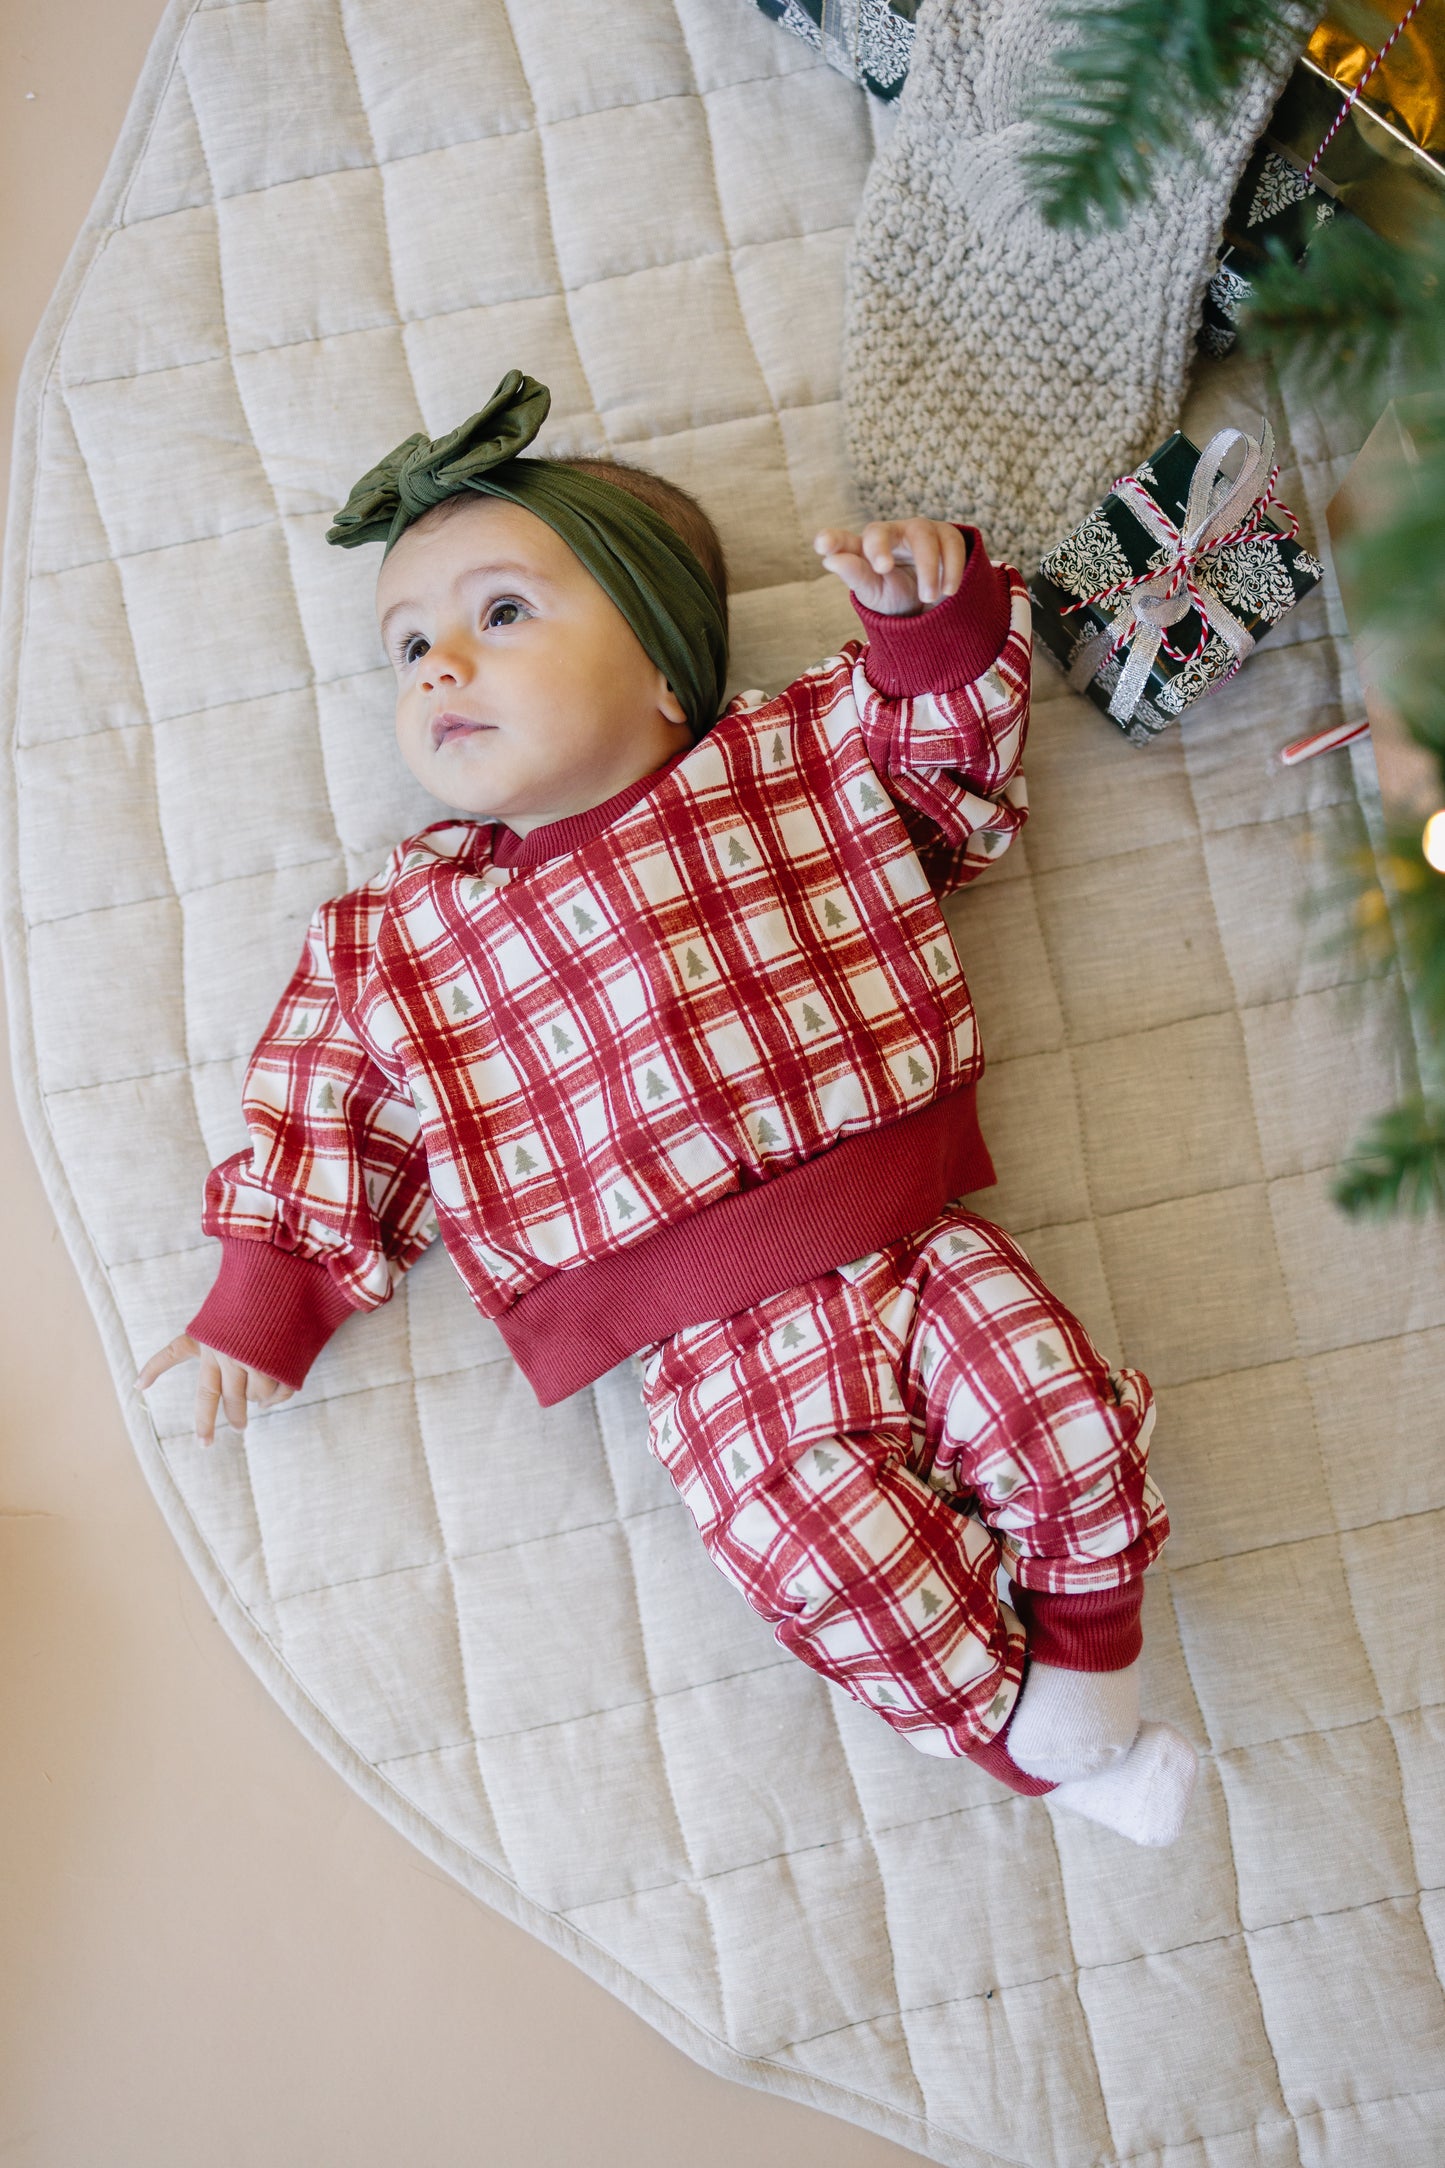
(1321, 741)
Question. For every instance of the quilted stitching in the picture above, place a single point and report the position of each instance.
(326, 238)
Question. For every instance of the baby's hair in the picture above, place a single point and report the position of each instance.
(682, 512)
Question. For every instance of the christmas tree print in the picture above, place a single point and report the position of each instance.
(740, 1466)
(696, 968)
(942, 967)
(790, 1336)
(832, 916)
(812, 1021)
(476, 892)
(326, 1099)
(990, 840)
(583, 920)
(656, 1089)
(917, 1074)
(927, 1357)
(1046, 1356)
(462, 1002)
(622, 1204)
(302, 1025)
(930, 1602)
(825, 1463)
(766, 1134)
(882, 1694)
(777, 755)
(957, 1247)
(523, 1162)
(738, 854)
(561, 1040)
(869, 799)
(996, 1707)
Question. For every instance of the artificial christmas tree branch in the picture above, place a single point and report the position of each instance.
(1130, 82)
(1359, 317)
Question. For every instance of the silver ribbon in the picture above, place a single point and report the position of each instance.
(841, 19)
(1216, 503)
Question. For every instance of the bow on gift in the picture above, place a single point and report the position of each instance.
(1158, 598)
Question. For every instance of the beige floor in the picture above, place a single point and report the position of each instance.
(213, 1955)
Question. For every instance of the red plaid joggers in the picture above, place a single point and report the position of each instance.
(864, 1453)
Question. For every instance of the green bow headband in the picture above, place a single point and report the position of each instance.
(640, 562)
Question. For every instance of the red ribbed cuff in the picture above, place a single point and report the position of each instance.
(1097, 1632)
(270, 1309)
(947, 645)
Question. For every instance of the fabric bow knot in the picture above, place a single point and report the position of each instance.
(423, 471)
(1156, 599)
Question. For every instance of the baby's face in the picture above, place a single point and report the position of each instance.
(523, 694)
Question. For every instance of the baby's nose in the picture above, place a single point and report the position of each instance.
(442, 666)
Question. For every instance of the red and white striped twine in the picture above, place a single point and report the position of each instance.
(1179, 567)
(1348, 107)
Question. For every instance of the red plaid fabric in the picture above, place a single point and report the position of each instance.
(862, 1455)
(706, 983)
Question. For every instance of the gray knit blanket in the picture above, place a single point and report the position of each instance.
(994, 369)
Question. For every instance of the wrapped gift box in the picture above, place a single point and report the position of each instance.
(870, 41)
(1258, 578)
(1273, 202)
(1380, 157)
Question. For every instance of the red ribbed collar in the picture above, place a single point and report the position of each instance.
(568, 834)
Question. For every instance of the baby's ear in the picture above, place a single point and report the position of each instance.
(671, 706)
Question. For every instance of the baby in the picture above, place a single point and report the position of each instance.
(666, 1034)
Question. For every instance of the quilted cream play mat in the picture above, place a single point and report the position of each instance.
(329, 223)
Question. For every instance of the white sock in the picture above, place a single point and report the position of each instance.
(1072, 1723)
(1144, 1797)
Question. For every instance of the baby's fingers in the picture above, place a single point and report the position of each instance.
(179, 1350)
(837, 542)
(937, 552)
(884, 541)
(234, 1377)
(208, 1396)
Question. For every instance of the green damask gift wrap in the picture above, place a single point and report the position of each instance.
(1172, 580)
(1273, 202)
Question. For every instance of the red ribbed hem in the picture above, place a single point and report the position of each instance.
(948, 644)
(270, 1309)
(1097, 1632)
(861, 1194)
(995, 1758)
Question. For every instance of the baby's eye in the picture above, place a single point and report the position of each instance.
(414, 648)
(495, 618)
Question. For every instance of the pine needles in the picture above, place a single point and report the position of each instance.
(1132, 80)
(1357, 308)
(1398, 1165)
(1360, 318)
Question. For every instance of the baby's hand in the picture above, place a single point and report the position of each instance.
(932, 555)
(221, 1382)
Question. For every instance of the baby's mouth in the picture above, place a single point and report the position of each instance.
(451, 725)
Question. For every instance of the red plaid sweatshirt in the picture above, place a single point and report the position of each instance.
(655, 1062)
